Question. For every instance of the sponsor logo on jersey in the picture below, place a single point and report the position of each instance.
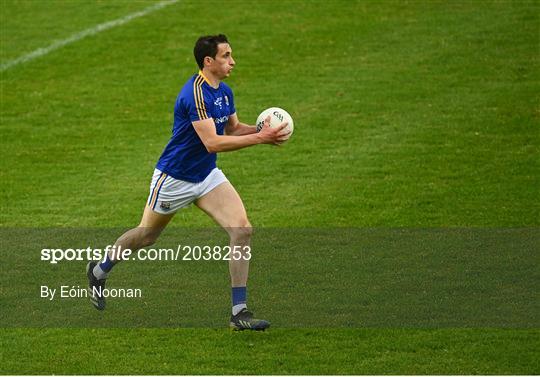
(222, 119)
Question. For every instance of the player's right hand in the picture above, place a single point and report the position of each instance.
(270, 135)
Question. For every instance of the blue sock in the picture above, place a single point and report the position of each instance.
(107, 264)
(239, 296)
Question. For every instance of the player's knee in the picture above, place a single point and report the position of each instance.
(246, 231)
(148, 237)
(241, 230)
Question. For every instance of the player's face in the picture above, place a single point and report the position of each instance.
(223, 63)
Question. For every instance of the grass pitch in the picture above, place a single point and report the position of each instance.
(421, 114)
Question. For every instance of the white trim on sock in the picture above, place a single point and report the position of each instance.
(99, 273)
(238, 308)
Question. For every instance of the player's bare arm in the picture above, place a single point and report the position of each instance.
(215, 143)
(236, 128)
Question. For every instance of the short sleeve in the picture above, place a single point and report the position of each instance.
(230, 100)
(199, 108)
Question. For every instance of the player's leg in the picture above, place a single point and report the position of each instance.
(225, 206)
(149, 229)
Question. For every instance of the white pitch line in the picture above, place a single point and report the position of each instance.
(83, 34)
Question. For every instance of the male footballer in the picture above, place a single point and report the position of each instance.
(205, 123)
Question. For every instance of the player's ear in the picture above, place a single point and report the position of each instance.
(208, 60)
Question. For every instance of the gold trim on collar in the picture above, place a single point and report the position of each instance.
(204, 77)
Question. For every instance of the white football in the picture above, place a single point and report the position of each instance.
(277, 116)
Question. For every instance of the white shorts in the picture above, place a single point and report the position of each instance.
(168, 195)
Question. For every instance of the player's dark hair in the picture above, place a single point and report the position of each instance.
(207, 46)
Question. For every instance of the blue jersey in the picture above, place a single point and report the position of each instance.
(185, 157)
